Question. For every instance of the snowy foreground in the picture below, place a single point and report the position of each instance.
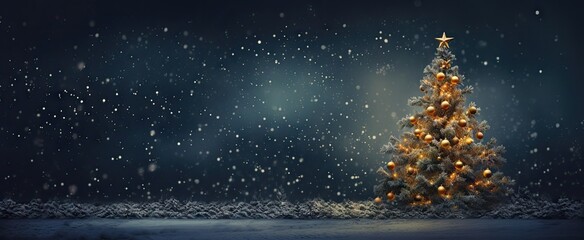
(290, 229)
(517, 208)
(173, 219)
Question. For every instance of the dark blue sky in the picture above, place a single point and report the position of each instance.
(250, 100)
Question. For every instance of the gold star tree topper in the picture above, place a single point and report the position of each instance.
(444, 40)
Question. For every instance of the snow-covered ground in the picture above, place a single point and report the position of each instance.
(316, 219)
(517, 208)
(290, 229)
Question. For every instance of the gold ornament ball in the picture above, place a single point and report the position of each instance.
(377, 200)
(430, 110)
(390, 196)
(440, 76)
(445, 105)
(458, 164)
(480, 135)
(428, 138)
(412, 119)
(442, 190)
(468, 140)
(454, 80)
(462, 123)
(472, 110)
(417, 131)
(487, 173)
(410, 170)
(391, 165)
(445, 143)
(455, 140)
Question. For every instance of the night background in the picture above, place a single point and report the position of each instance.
(236, 100)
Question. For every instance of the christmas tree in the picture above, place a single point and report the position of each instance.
(442, 158)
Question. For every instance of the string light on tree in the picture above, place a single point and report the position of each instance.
(419, 197)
